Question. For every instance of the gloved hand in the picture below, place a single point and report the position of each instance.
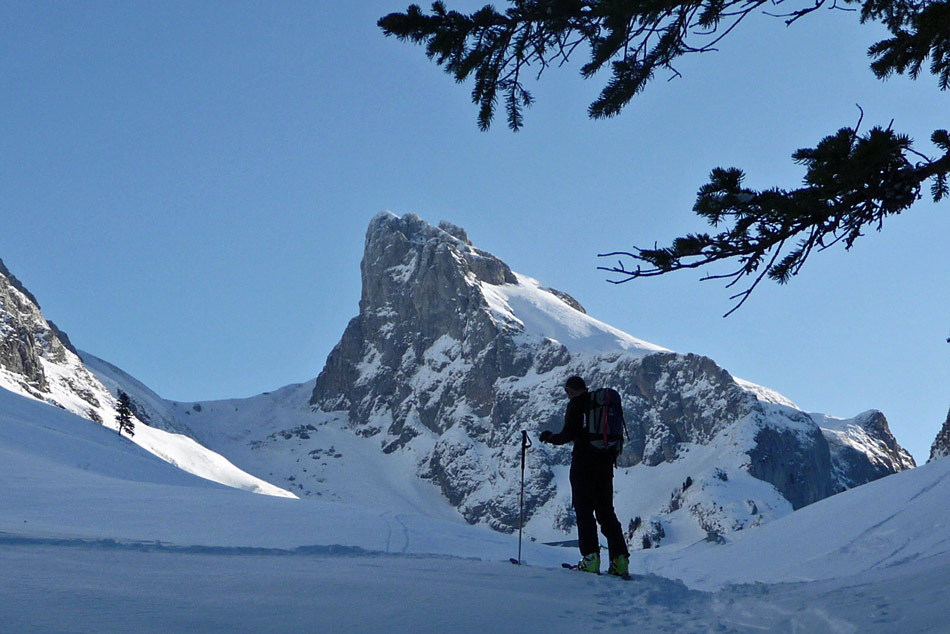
(545, 436)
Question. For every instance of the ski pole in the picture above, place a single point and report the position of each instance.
(525, 443)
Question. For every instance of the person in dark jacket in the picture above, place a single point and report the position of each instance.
(592, 487)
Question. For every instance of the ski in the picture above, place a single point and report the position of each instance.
(515, 561)
(568, 566)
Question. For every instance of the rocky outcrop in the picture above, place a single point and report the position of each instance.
(673, 400)
(421, 309)
(37, 359)
(941, 444)
(452, 354)
(25, 337)
(862, 449)
(424, 356)
(796, 462)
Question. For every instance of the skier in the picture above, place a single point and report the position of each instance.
(591, 486)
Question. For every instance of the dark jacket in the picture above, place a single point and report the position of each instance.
(573, 431)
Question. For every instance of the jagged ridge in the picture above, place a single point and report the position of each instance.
(452, 354)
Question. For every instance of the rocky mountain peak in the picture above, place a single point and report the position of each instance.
(407, 253)
(452, 354)
(875, 424)
(941, 445)
(11, 280)
(422, 305)
(37, 359)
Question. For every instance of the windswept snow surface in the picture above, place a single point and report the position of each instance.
(114, 379)
(97, 535)
(542, 314)
(70, 379)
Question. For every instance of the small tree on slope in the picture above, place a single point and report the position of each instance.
(124, 411)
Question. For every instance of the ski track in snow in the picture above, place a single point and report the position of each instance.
(104, 586)
(98, 536)
(403, 532)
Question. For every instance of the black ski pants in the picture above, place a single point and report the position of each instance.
(592, 490)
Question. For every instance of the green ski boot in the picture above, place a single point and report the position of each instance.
(619, 566)
(590, 563)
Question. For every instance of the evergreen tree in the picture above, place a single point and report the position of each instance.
(853, 180)
(124, 414)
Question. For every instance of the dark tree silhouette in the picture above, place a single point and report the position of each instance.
(124, 414)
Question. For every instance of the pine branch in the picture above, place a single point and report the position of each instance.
(852, 182)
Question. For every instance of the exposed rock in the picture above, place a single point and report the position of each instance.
(439, 361)
(671, 399)
(17, 284)
(567, 299)
(941, 445)
(862, 449)
(37, 359)
(23, 332)
(419, 309)
(797, 464)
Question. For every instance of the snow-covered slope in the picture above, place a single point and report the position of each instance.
(277, 436)
(97, 535)
(884, 524)
(37, 361)
(539, 315)
(148, 407)
(67, 477)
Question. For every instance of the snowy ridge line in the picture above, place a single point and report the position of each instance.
(312, 550)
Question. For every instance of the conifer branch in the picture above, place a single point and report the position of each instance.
(852, 182)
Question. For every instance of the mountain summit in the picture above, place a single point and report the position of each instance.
(453, 354)
(421, 404)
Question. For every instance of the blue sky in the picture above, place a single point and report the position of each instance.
(186, 187)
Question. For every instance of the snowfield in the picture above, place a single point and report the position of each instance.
(98, 535)
(542, 315)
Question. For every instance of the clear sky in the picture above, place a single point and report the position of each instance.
(186, 186)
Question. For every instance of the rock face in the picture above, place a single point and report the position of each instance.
(37, 359)
(452, 354)
(675, 400)
(421, 309)
(24, 336)
(941, 446)
(863, 449)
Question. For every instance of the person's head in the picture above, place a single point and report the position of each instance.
(575, 386)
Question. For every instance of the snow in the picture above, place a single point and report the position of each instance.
(114, 379)
(541, 314)
(103, 533)
(279, 438)
(765, 394)
(74, 388)
(98, 535)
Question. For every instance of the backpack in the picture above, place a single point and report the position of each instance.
(603, 421)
